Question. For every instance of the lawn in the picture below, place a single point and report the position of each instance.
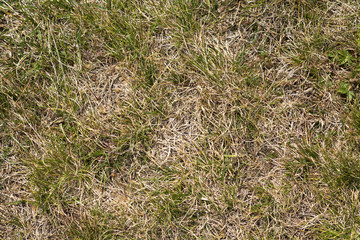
(179, 119)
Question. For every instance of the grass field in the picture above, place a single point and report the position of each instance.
(179, 119)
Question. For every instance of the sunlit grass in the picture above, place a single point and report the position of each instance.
(183, 119)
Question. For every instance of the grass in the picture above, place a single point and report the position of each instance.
(183, 119)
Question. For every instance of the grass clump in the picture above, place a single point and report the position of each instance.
(182, 119)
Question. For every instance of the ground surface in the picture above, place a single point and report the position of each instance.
(182, 119)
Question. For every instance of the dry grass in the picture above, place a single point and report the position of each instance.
(183, 119)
